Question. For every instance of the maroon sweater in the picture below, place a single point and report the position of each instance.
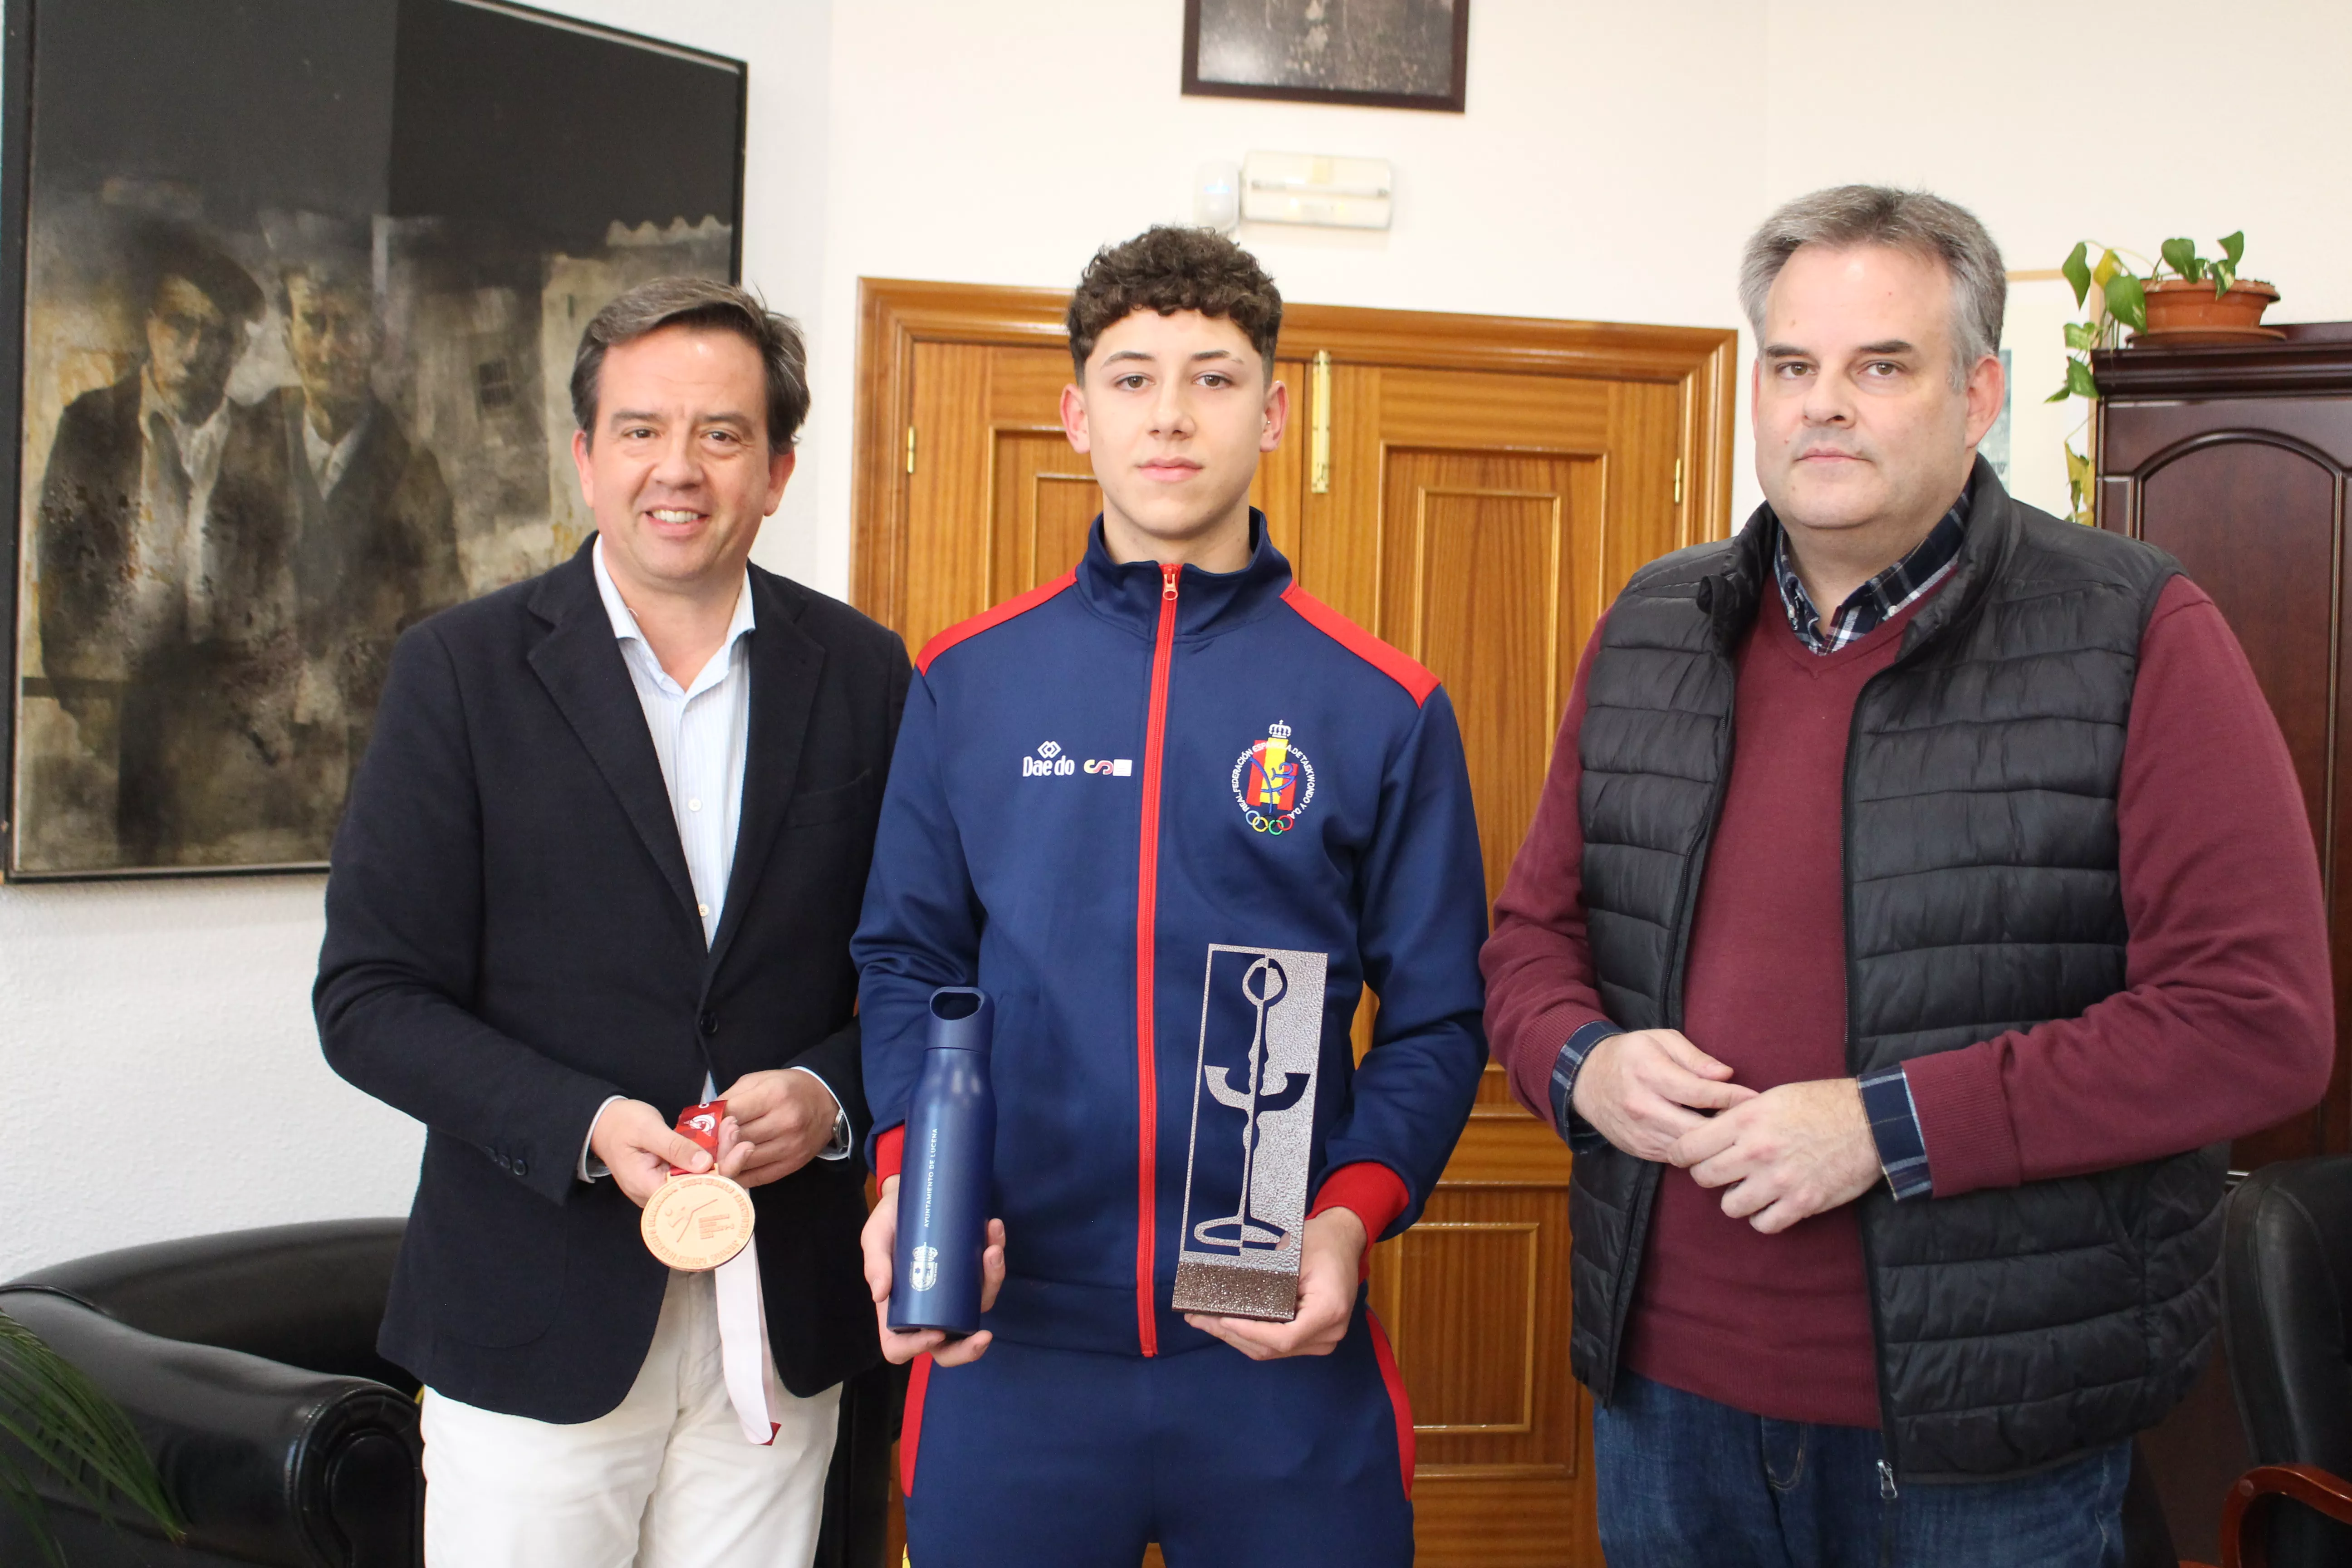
(2226, 1025)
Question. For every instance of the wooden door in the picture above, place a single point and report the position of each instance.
(1489, 486)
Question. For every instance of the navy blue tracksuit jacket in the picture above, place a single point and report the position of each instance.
(1083, 801)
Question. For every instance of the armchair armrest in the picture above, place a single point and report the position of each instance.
(2307, 1484)
(266, 1462)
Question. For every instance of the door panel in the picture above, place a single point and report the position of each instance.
(1484, 555)
(1491, 486)
(948, 532)
(1045, 498)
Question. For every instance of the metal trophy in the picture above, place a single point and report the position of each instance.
(1253, 1133)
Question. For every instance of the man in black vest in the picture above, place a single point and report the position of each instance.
(602, 862)
(1921, 900)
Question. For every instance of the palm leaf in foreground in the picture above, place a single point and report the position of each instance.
(69, 1427)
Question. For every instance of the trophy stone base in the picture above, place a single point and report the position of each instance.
(1229, 1290)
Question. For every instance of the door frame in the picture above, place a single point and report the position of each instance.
(896, 314)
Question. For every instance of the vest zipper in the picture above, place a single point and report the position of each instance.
(1888, 1434)
(1146, 920)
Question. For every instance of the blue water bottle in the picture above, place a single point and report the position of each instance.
(943, 1171)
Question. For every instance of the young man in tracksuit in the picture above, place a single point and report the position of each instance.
(1161, 804)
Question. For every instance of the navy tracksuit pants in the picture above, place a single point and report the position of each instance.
(1032, 1458)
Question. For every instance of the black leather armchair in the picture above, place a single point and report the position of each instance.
(2286, 1322)
(247, 1363)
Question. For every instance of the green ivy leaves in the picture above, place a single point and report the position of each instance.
(2078, 383)
(2077, 269)
(2123, 302)
(2127, 302)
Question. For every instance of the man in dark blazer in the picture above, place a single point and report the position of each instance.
(540, 943)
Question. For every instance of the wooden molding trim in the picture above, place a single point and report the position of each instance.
(2306, 368)
(894, 314)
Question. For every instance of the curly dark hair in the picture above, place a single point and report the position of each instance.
(1169, 269)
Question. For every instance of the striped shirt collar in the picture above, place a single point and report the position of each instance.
(1871, 605)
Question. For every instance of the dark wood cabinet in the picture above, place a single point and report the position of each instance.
(2236, 459)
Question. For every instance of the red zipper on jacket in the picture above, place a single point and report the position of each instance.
(1146, 920)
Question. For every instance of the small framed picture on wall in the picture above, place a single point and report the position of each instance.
(1388, 54)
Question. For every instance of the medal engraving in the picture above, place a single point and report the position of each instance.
(695, 1223)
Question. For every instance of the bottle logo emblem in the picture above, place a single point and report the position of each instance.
(925, 1272)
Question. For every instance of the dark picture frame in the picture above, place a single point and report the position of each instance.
(1385, 67)
(382, 224)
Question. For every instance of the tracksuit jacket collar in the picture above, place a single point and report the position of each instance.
(1207, 603)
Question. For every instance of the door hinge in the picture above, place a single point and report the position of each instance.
(1678, 468)
(1320, 448)
(910, 448)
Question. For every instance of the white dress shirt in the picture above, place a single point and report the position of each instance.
(700, 733)
(330, 460)
(171, 567)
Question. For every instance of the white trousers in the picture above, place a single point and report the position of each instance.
(664, 1481)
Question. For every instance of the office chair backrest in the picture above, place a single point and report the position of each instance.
(2286, 1323)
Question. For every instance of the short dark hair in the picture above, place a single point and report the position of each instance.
(698, 302)
(171, 251)
(1169, 269)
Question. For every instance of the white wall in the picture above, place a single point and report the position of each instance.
(2057, 121)
(1613, 158)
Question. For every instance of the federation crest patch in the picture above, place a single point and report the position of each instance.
(1273, 782)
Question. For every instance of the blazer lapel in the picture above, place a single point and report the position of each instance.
(579, 663)
(784, 667)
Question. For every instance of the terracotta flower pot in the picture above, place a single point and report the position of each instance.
(2176, 307)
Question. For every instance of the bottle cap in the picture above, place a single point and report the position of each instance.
(962, 1018)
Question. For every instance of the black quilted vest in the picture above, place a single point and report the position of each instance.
(2015, 1327)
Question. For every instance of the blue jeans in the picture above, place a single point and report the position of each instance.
(1685, 1480)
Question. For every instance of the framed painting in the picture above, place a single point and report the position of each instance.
(1388, 54)
(292, 292)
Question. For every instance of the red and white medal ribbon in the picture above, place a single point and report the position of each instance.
(745, 1357)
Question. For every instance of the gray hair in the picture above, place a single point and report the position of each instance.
(708, 303)
(1928, 226)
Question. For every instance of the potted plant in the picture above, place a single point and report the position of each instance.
(2184, 298)
(60, 1420)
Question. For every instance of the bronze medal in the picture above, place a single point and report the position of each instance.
(698, 1222)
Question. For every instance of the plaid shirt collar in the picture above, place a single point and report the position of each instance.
(1869, 606)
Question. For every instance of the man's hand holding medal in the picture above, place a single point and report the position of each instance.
(700, 1217)
(641, 1148)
